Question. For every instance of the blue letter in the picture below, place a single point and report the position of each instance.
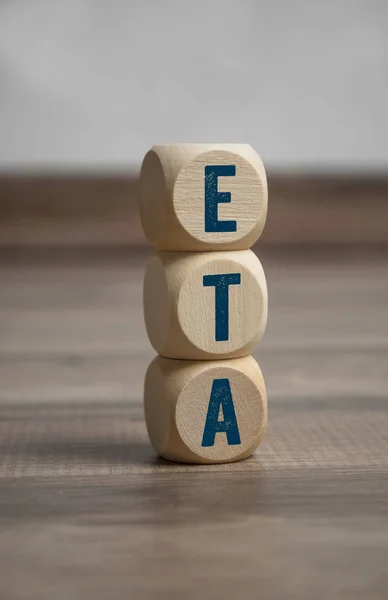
(213, 197)
(222, 283)
(221, 395)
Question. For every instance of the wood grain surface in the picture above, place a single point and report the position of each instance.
(86, 509)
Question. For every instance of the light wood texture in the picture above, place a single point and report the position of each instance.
(87, 511)
(173, 203)
(186, 402)
(187, 318)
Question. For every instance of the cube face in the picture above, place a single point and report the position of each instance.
(205, 412)
(202, 197)
(204, 306)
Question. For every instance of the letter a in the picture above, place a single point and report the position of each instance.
(221, 395)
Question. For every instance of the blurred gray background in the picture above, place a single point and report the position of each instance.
(92, 84)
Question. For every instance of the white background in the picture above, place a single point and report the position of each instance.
(92, 84)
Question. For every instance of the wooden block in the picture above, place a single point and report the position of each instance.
(205, 411)
(203, 196)
(205, 305)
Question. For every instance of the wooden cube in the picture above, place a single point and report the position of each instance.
(203, 196)
(205, 305)
(205, 411)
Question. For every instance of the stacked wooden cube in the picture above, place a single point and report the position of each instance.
(205, 300)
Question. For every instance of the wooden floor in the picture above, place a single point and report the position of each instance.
(86, 509)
